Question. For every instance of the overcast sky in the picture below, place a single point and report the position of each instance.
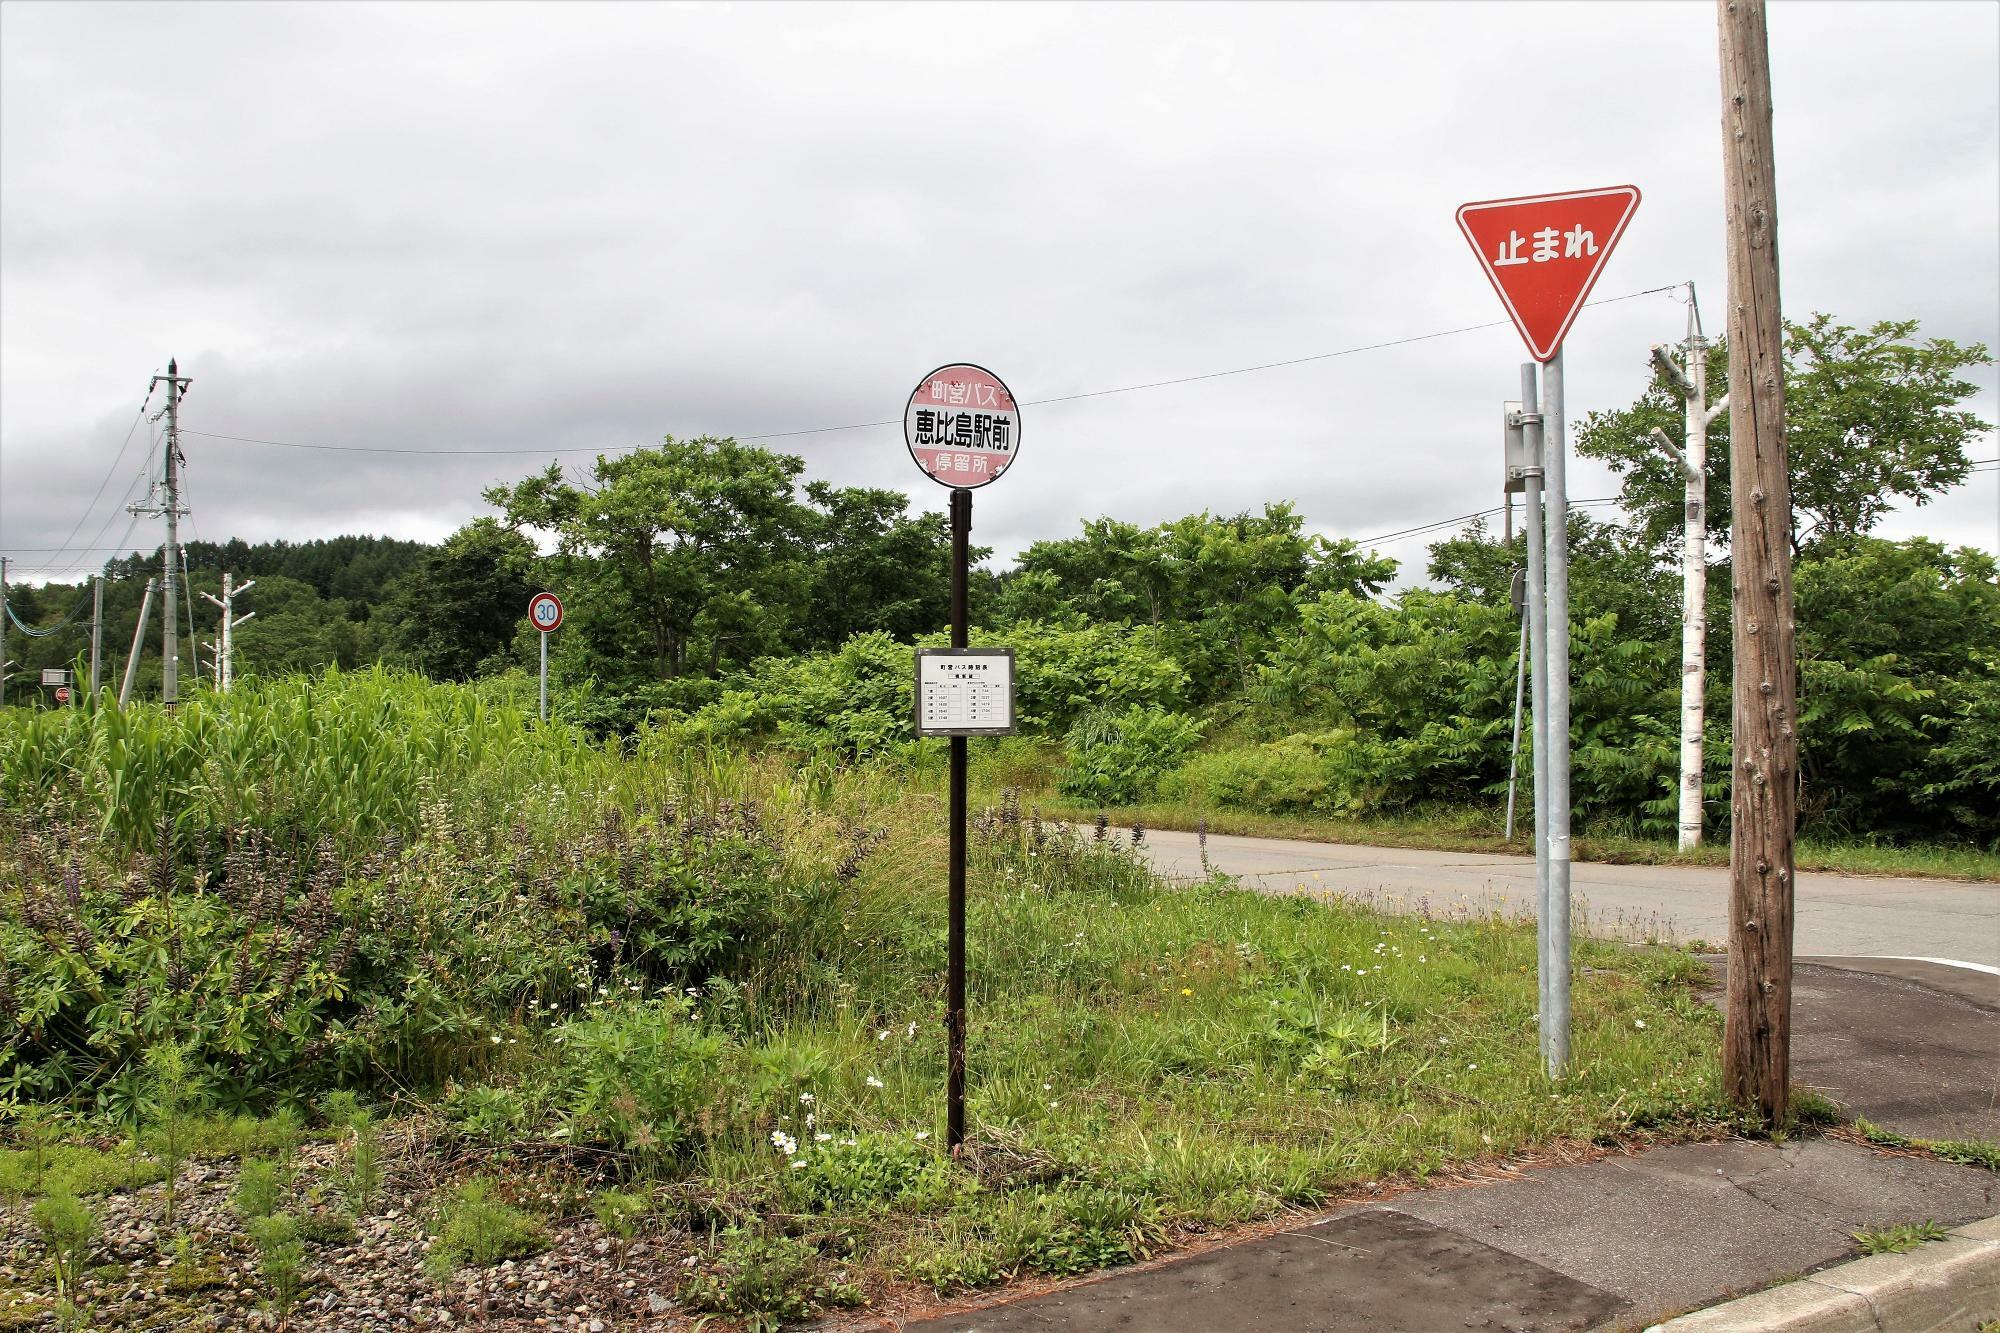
(472, 227)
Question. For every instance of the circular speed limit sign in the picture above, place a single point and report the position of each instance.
(545, 611)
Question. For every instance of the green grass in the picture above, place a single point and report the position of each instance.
(1145, 1062)
(1898, 1239)
(1965, 1152)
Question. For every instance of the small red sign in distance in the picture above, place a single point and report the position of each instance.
(1543, 253)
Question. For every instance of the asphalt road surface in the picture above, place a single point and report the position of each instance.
(1838, 915)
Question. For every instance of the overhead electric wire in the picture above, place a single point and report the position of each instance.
(109, 472)
(891, 421)
(1442, 523)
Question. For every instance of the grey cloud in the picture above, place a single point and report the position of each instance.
(544, 227)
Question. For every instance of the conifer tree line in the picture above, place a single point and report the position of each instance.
(1239, 659)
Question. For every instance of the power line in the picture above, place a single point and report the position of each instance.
(891, 421)
(1442, 523)
(111, 471)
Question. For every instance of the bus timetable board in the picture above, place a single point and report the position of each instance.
(965, 692)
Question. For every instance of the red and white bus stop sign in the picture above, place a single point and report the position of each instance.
(962, 426)
(545, 611)
(1543, 253)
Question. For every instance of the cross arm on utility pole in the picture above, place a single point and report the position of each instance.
(247, 615)
(1687, 469)
(1720, 406)
(1674, 373)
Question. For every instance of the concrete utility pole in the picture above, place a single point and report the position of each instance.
(170, 664)
(224, 673)
(1763, 803)
(1693, 459)
(96, 633)
(138, 645)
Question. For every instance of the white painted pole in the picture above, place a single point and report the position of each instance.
(96, 633)
(138, 643)
(1694, 591)
(545, 676)
(1556, 521)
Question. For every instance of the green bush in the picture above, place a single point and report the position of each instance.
(1119, 758)
(868, 1173)
(640, 1079)
(475, 1229)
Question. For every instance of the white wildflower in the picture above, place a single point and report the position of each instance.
(923, 1134)
(874, 1082)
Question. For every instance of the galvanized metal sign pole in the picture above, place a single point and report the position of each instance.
(1543, 254)
(963, 428)
(545, 613)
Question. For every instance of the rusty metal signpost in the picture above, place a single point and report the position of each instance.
(963, 429)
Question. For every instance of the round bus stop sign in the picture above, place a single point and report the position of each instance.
(962, 425)
(546, 611)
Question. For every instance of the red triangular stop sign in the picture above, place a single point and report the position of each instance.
(1543, 254)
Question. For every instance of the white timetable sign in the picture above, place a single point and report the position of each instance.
(965, 691)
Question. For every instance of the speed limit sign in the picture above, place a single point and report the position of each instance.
(546, 611)
(62, 694)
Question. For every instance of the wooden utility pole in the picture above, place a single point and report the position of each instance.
(1763, 803)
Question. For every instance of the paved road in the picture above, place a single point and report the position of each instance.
(1838, 915)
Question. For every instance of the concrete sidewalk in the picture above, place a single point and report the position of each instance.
(1622, 1242)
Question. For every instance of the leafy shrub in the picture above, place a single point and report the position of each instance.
(1288, 776)
(289, 972)
(639, 1079)
(1119, 758)
(476, 1229)
(872, 1172)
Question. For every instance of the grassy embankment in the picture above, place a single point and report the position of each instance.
(714, 983)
